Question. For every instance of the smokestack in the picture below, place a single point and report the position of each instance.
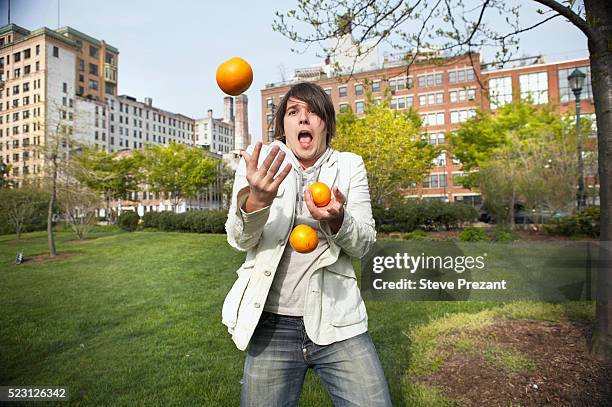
(228, 112)
(241, 129)
(210, 113)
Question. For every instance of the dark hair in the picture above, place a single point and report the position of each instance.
(318, 102)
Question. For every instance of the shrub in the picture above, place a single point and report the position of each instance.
(417, 235)
(128, 221)
(584, 223)
(151, 219)
(503, 234)
(166, 221)
(408, 215)
(198, 221)
(472, 235)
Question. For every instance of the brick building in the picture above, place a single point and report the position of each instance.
(445, 92)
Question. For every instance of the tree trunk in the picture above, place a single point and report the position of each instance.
(50, 236)
(599, 15)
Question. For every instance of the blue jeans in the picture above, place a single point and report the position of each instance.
(280, 353)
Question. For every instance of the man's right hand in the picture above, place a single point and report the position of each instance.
(263, 187)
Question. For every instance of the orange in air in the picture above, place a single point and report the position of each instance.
(303, 239)
(234, 76)
(321, 194)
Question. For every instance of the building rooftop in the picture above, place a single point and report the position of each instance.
(83, 36)
(60, 34)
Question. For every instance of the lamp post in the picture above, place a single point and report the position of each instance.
(272, 107)
(576, 81)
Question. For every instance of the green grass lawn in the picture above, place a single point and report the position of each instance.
(135, 319)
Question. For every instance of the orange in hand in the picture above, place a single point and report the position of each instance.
(321, 194)
(303, 239)
(234, 76)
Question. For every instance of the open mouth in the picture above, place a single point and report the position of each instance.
(305, 138)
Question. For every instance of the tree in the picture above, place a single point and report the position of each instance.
(58, 147)
(177, 170)
(531, 147)
(21, 208)
(388, 141)
(79, 205)
(458, 27)
(108, 174)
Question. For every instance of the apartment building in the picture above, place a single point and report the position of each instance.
(132, 124)
(37, 91)
(51, 77)
(217, 134)
(445, 92)
(96, 65)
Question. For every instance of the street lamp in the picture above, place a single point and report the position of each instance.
(576, 81)
(272, 107)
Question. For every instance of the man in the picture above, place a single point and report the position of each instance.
(296, 311)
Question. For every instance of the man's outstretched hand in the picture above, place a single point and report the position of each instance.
(263, 187)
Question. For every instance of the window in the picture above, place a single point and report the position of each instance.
(534, 85)
(565, 93)
(17, 73)
(440, 160)
(37, 66)
(93, 84)
(359, 106)
(400, 83)
(376, 86)
(108, 58)
(56, 52)
(436, 138)
(93, 51)
(38, 50)
(93, 69)
(328, 91)
(343, 107)
(17, 57)
(358, 89)
(65, 87)
(456, 179)
(26, 70)
(459, 116)
(434, 79)
(461, 75)
(26, 53)
(342, 91)
(81, 65)
(500, 91)
(433, 119)
(15, 89)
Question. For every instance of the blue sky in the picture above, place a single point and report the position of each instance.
(170, 50)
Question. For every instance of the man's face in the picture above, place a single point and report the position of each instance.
(305, 132)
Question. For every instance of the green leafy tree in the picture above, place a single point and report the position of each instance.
(108, 174)
(22, 209)
(523, 152)
(457, 27)
(388, 141)
(176, 170)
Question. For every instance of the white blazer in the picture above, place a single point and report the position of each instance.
(333, 308)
